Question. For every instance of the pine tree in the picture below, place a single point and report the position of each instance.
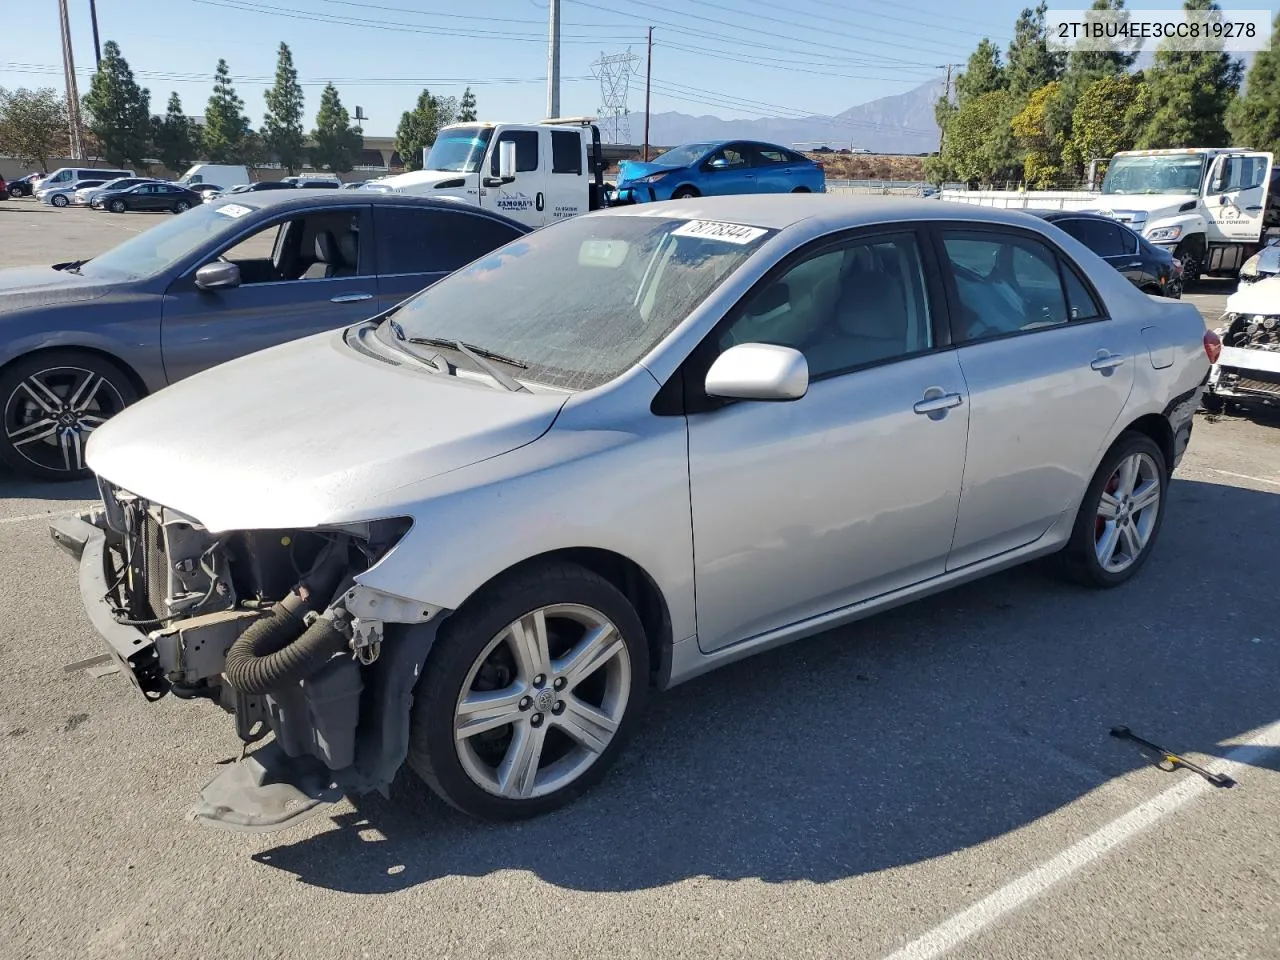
(119, 110)
(1031, 64)
(225, 126)
(337, 145)
(418, 127)
(1190, 93)
(467, 108)
(175, 138)
(983, 73)
(282, 126)
(1254, 117)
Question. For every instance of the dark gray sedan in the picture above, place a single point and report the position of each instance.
(81, 340)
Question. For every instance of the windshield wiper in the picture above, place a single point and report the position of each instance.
(71, 266)
(477, 355)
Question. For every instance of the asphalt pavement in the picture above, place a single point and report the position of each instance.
(936, 780)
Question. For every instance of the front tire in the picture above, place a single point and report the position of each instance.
(117, 206)
(59, 200)
(1120, 517)
(50, 403)
(684, 193)
(529, 693)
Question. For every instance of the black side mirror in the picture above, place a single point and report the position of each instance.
(219, 275)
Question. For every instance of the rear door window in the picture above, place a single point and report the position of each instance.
(566, 152)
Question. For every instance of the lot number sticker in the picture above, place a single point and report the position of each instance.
(234, 210)
(716, 230)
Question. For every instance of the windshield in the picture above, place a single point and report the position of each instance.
(683, 156)
(580, 301)
(1166, 174)
(459, 149)
(168, 242)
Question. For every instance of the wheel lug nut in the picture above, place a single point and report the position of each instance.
(536, 720)
(560, 683)
(526, 703)
(558, 707)
(539, 680)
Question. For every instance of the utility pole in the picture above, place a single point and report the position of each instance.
(553, 60)
(73, 95)
(648, 74)
(946, 96)
(97, 47)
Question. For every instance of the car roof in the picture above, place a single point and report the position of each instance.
(307, 198)
(777, 211)
(1082, 214)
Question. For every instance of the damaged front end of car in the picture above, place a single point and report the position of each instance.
(1248, 369)
(273, 626)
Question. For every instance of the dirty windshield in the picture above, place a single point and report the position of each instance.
(459, 149)
(583, 300)
(157, 249)
(1161, 174)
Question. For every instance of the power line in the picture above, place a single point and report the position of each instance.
(880, 14)
(790, 66)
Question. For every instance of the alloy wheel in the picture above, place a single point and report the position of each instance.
(542, 701)
(48, 417)
(1127, 512)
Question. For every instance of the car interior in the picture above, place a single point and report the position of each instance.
(314, 247)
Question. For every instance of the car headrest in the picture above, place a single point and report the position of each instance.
(327, 248)
(872, 304)
(349, 247)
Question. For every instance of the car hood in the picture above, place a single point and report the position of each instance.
(22, 288)
(1112, 203)
(1261, 297)
(629, 170)
(1269, 259)
(415, 179)
(307, 433)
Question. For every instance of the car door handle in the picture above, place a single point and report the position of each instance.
(351, 298)
(1107, 361)
(943, 401)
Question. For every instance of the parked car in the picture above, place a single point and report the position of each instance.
(60, 194)
(259, 186)
(66, 176)
(208, 191)
(1248, 371)
(88, 195)
(1263, 264)
(714, 169)
(24, 186)
(354, 184)
(304, 183)
(500, 499)
(225, 279)
(150, 198)
(1150, 268)
(4, 189)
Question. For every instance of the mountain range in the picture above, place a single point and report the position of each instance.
(902, 123)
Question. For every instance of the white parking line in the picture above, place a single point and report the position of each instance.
(990, 909)
(1245, 476)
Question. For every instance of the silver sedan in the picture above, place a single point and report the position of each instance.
(474, 531)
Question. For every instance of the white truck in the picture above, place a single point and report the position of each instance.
(536, 173)
(1212, 207)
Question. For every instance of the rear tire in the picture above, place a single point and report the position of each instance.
(49, 404)
(1113, 538)
(529, 694)
(59, 200)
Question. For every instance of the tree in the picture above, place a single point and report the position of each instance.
(418, 127)
(282, 126)
(467, 108)
(175, 139)
(1254, 117)
(1191, 91)
(337, 144)
(1041, 143)
(1030, 63)
(982, 74)
(225, 125)
(33, 124)
(119, 110)
(968, 152)
(1108, 118)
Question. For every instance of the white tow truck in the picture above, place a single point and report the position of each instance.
(536, 173)
(1213, 207)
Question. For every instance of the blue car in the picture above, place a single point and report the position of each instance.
(713, 169)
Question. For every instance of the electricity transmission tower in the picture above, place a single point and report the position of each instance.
(614, 73)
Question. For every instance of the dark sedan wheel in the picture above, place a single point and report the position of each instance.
(684, 193)
(59, 200)
(118, 206)
(181, 206)
(52, 402)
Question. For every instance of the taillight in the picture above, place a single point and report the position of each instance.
(1212, 346)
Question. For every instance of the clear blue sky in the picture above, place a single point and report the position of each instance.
(730, 58)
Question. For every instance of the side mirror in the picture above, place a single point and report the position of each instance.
(719, 163)
(218, 276)
(506, 165)
(759, 371)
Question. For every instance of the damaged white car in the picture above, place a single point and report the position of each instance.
(467, 533)
(1247, 371)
